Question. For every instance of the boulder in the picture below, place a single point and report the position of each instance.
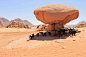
(27, 26)
(42, 27)
(56, 14)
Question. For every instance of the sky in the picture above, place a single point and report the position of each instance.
(23, 9)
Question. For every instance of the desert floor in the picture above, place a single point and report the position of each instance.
(14, 43)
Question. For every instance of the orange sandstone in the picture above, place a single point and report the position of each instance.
(56, 13)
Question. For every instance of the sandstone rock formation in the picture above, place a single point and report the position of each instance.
(23, 21)
(81, 25)
(15, 24)
(42, 27)
(1, 24)
(27, 26)
(56, 15)
(20, 25)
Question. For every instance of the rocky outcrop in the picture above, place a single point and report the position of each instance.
(20, 25)
(56, 15)
(81, 25)
(1, 24)
(23, 21)
(27, 26)
(15, 24)
(42, 27)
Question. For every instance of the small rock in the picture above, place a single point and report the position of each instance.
(59, 41)
(45, 43)
(27, 40)
(74, 40)
(63, 47)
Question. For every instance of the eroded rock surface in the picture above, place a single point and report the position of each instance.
(42, 27)
(15, 24)
(56, 13)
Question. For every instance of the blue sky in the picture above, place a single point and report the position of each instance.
(23, 9)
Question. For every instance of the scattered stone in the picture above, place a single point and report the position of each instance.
(63, 47)
(59, 41)
(27, 40)
(45, 42)
(74, 40)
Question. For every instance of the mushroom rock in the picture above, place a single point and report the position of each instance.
(56, 13)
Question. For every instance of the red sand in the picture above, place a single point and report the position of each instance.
(72, 49)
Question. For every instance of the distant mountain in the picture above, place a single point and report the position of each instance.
(81, 22)
(76, 24)
(24, 21)
(82, 25)
(70, 25)
(6, 22)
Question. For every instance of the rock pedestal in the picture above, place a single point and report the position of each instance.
(56, 13)
(52, 28)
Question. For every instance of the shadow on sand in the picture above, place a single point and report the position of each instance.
(47, 38)
(43, 38)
